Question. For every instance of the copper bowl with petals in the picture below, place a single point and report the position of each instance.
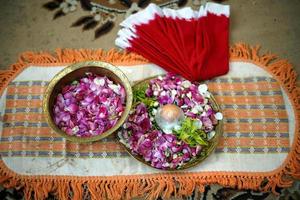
(75, 72)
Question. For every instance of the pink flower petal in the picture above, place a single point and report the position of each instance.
(89, 105)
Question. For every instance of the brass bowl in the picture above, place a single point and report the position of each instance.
(75, 72)
(199, 158)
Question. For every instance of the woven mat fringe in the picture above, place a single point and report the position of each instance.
(164, 185)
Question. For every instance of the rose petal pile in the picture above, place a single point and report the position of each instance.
(90, 106)
(163, 150)
(193, 98)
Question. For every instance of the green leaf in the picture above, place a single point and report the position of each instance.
(139, 96)
(190, 133)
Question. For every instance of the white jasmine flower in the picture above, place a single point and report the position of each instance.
(186, 84)
(202, 88)
(155, 93)
(219, 116)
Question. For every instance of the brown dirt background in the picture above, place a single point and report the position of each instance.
(25, 26)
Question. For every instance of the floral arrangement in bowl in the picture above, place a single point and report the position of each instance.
(87, 101)
(89, 106)
(173, 123)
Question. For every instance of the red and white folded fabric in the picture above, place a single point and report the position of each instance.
(190, 43)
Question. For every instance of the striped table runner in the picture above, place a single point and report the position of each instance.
(255, 121)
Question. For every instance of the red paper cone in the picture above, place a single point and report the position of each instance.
(181, 26)
(152, 52)
(132, 35)
(192, 44)
(217, 30)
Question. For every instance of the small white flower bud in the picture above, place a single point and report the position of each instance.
(186, 84)
(219, 116)
(202, 88)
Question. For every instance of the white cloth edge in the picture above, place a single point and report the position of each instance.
(184, 13)
(218, 9)
(143, 16)
(124, 36)
(85, 167)
(128, 31)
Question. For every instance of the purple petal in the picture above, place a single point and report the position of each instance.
(207, 123)
(72, 108)
(149, 92)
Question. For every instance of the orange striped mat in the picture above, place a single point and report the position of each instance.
(255, 121)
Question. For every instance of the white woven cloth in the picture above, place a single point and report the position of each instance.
(62, 165)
